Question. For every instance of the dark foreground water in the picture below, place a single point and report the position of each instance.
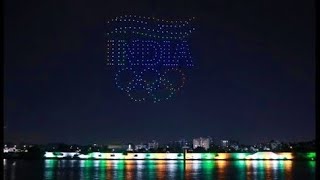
(151, 169)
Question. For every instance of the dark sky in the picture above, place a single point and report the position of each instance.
(254, 78)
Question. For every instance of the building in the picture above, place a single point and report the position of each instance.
(117, 147)
(153, 145)
(141, 147)
(130, 147)
(183, 142)
(201, 142)
(7, 149)
(234, 145)
(274, 145)
(224, 143)
(179, 145)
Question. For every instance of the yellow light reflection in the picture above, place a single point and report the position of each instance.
(221, 164)
(161, 169)
(268, 168)
(288, 166)
(109, 169)
(288, 169)
(248, 165)
(222, 168)
(188, 169)
(267, 164)
(129, 166)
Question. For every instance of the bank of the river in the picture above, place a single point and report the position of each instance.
(184, 156)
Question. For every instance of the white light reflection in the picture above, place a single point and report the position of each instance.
(254, 164)
(275, 165)
(140, 167)
(4, 168)
(196, 164)
(96, 164)
(82, 164)
(172, 165)
(172, 168)
(13, 170)
(72, 163)
(63, 163)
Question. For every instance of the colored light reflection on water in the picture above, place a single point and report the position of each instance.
(160, 169)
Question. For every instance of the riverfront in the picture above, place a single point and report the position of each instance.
(184, 156)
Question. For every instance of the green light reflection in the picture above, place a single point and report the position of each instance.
(208, 167)
(50, 168)
(88, 164)
(241, 168)
(151, 169)
(119, 168)
(102, 167)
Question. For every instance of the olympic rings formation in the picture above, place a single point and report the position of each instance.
(150, 83)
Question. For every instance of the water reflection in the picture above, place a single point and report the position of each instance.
(152, 169)
(241, 168)
(129, 166)
(208, 169)
(222, 168)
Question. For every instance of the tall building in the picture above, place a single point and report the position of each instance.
(201, 142)
(130, 147)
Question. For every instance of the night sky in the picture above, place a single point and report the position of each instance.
(253, 81)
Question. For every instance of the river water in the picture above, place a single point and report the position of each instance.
(157, 169)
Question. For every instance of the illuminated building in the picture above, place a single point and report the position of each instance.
(224, 143)
(201, 142)
(130, 147)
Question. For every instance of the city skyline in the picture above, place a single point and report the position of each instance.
(253, 79)
(146, 142)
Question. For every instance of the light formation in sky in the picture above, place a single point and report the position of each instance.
(150, 57)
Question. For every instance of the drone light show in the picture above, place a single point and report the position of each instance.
(150, 57)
